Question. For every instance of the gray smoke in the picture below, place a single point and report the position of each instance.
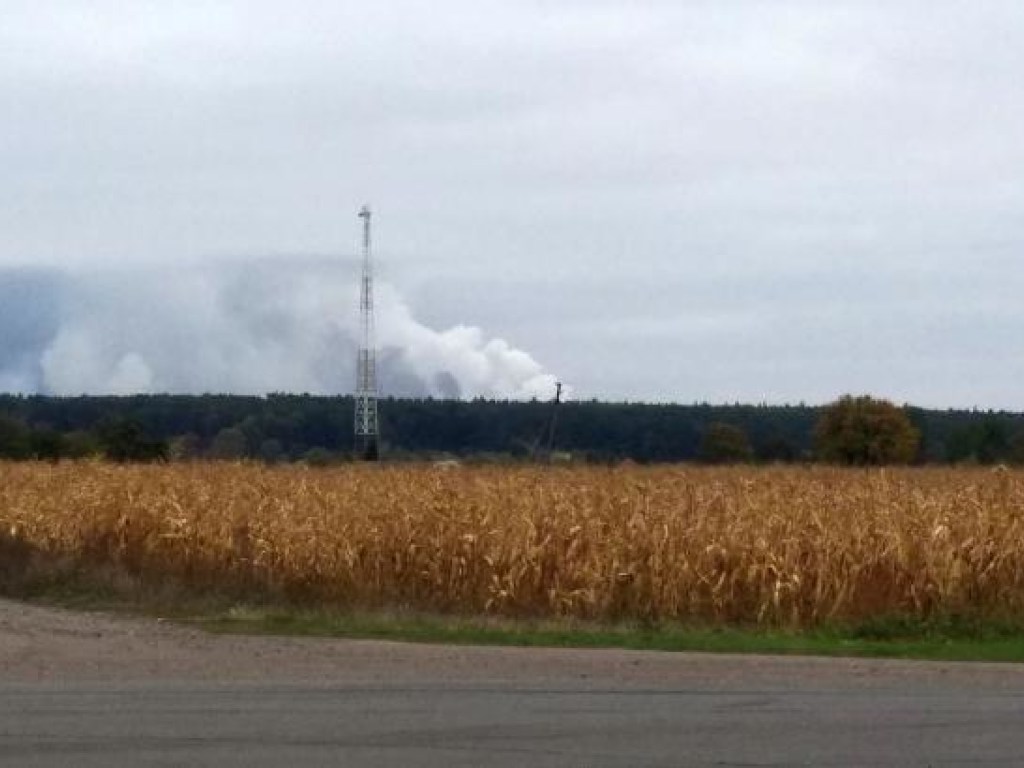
(250, 328)
(30, 307)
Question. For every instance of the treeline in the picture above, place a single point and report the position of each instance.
(319, 429)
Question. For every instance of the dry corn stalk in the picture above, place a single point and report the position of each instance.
(771, 546)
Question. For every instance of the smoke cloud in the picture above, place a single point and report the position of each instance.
(265, 326)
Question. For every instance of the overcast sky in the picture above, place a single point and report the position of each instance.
(698, 200)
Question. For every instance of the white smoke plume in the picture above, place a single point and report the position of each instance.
(461, 355)
(253, 328)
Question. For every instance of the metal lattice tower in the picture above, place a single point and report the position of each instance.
(367, 434)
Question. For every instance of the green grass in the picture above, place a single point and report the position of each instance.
(913, 641)
(963, 638)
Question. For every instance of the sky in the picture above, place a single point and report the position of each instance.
(694, 201)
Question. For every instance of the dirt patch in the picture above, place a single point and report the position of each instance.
(40, 643)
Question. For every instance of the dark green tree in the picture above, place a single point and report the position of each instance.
(776, 449)
(987, 441)
(865, 431)
(79, 444)
(993, 442)
(48, 445)
(724, 444)
(272, 451)
(1017, 448)
(185, 447)
(123, 439)
(15, 439)
(229, 444)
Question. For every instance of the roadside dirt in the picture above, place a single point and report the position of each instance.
(49, 644)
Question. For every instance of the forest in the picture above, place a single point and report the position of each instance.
(316, 429)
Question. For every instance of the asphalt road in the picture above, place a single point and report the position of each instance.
(248, 725)
(80, 690)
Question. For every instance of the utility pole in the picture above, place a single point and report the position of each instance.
(367, 433)
(554, 418)
(549, 428)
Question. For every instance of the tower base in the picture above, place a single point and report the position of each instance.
(367, 449)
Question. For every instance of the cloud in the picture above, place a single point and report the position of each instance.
(263, 326)
(697, 200)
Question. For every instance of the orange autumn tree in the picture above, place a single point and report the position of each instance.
(862, 431)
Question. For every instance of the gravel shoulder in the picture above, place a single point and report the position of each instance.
(39, 644)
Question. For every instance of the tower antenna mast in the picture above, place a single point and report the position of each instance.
(367, 434)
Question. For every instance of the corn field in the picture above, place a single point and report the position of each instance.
(775, 546)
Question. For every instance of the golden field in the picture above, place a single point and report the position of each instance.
(773, 546)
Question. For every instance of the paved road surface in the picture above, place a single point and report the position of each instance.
(83, 690)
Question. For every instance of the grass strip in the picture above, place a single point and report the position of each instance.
(921, 642)
(950, 638)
